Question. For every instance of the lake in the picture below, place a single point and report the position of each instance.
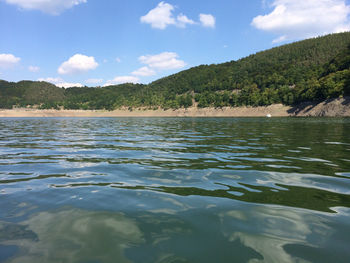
(174, 190)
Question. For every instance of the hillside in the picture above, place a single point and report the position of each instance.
(25, 93)
(306, 70)
(310, 70)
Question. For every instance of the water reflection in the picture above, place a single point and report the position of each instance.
(284, 235)
(74, 235)
(251, 233)
(174, 190)
(293, 196)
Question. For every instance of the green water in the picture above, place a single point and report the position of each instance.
(174, 190)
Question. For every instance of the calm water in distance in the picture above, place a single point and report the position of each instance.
(174, 190)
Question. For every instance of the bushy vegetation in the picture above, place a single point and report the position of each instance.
(29, 93)
(309, 70)
(314, 69)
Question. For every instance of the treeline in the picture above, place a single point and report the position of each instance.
(309, 70)
(28, 93)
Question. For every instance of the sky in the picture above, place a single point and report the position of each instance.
(106, 42)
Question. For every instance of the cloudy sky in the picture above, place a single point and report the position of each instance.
(101, 42)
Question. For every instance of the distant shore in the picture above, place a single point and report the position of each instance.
(274, 110)
(331, 108)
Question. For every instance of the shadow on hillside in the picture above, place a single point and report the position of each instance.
(346, 101)
(307, 106)
(302, 107)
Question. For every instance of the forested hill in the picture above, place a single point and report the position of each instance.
(289, 74)
(309, 70)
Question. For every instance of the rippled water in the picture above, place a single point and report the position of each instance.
(174, 190)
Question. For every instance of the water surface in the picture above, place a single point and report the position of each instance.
(174, 190)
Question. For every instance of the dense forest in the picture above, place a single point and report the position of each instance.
(310, 70)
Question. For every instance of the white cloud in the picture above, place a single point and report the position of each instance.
(8, 60)
(297, 19)
(52, 7)
(207, 20)
(155, 63)
(163, 61)
(122, 80)
(51, 80)
(279, 39)
(94, 81)
(60, 82)
(144, 72)
(78, 64)
(183, 20)
(67, 85)
(33, 69)
(160, 17)
(118, 60)
(159, 62)
(163, 15)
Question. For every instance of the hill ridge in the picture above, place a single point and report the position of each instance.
(309, 70)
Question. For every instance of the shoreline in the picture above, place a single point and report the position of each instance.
(339, 107)
(276, 110)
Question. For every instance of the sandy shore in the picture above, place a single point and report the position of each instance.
(339, 107)
(277, 110)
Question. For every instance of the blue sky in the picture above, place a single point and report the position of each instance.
(101, 42)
